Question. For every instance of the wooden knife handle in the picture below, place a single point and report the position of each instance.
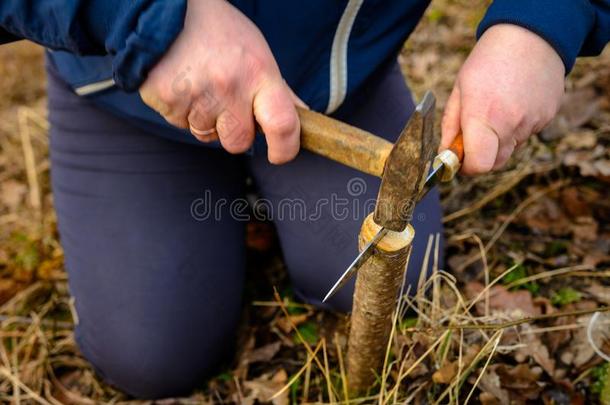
(343, 143)
(457, 146)
(451, 158)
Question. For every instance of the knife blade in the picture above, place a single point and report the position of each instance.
(366, 252)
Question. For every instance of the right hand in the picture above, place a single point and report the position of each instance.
(218, 77)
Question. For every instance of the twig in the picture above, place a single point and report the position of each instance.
(30, 160)
(530, 319)
(549, 274)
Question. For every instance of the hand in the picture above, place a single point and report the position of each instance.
(218, 76)
(510, 87)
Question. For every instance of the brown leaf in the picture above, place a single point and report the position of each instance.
(246, 346)
(600, 292)
(579, 351)
(286, 324)
(487, 398)
(446, 373)
(594, 163)
(545, 216)
(263, 354)
(514, 303)
(558, 338)
(12, 193)
(521, 380)
(584, 139)
(266, 386)
(584, 228)
(8, 288)
(574, 202)
(490, 384)
(534, 348)
(603, 169)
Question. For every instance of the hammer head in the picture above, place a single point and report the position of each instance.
(406, 167)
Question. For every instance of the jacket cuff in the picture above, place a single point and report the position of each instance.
(136, 33)
(564, 24)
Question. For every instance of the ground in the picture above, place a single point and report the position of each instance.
(507, 320)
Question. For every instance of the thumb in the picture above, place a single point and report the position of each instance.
(274, 110)
(481, 145)
(450, 126)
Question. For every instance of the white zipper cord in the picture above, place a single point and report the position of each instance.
(338, 56)
(94, 87)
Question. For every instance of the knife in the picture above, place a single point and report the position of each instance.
(444, 168)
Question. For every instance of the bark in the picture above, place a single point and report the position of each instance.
(375, 297)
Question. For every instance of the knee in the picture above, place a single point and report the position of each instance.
(157, 365)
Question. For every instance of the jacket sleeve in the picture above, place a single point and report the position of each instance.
(572, 27)
(135, 32)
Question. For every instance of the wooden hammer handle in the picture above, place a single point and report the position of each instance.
(343, 143)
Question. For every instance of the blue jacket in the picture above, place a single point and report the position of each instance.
(326, 49)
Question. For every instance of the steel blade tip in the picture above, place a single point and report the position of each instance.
(353, 268)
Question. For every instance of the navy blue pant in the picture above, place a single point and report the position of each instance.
(157, 276)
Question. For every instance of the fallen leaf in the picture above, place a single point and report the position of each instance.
(574, 202)
(521, 381)
(8, 288)
(545, 217)
(487, 398)
(491, 385)
(584, 228)
(579, 351)
(446, 373)
(265, 387)
(12, 193)
(535, 349)
(584, 139)
(558, 338)
(264, 353)
(516, 304)
(287, 323)
(593, 163)
(600, 292)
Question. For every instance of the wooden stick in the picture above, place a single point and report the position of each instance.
(30, 160)
(377, 287)
(343, 143)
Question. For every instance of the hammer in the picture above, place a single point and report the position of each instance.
(402, 166)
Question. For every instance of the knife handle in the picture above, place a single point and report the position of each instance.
(457, 146)
(451, 158)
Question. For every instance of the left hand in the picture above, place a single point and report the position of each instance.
(510, 87)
